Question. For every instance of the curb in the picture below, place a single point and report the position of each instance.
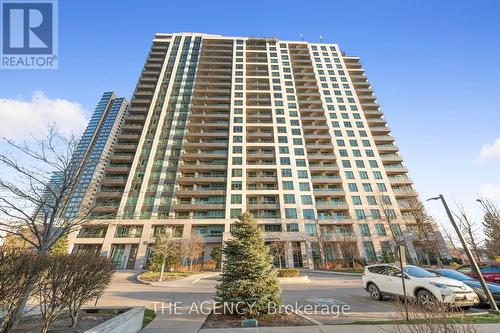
(300, 279)
(203, 276)
(337, 273)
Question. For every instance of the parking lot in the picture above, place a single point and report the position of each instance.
(329, 290)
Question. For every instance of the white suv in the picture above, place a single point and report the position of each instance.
(427, 287)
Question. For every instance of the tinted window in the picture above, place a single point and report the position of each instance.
(453, 274)
(490, 269)
(418, 272)
(377, 269)
(393, 271)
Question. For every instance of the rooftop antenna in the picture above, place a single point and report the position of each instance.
(320, 39)
(301, 36)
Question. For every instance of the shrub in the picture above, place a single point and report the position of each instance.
(17, 268)
(68, 281)
(288, 273)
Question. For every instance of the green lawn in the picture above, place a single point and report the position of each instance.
(149, 315)
(153, 276)
(470, 319)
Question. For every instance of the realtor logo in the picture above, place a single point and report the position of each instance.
(29, 34)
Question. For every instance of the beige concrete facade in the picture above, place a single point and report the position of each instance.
(290, 131)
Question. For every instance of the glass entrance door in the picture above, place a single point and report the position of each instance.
(117, 251)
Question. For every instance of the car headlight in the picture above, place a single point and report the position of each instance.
(439, 285)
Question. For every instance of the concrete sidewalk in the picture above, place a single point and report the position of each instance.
(485, 328)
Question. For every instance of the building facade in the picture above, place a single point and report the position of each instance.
(93, 150)
(288, 130)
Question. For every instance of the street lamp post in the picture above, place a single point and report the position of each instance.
(472, 260)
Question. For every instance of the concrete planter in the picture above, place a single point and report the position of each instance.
(128, 322)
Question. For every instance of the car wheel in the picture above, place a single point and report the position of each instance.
(426, 298)
(374, 292)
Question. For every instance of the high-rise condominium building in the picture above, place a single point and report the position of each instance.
(93, 151)
(288, 130)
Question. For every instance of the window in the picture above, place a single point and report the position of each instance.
(349, 175)
(369, 250)
(364, 230)
(289, 198)
(356, 200)
(396, 229)
(236, 172)
(292, 227)
(235, 213)
(308, 214)
(237, 149)
(300, 162)
(310, 228)
(353, 187)
(290, 213)
(380, 229)
(236, 185)
(377, 174)
(302, 174)
(381, 187)
(287, 185)
(236, 198)
(367, 187)
(371, 200)
(285, 160)
(360, 214)
(283, 150)
(237, 161)
(363, 175)
(304, 187)
(306, 199)
(375, 213)
(286, 172)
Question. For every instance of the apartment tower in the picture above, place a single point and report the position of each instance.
(92, 153)
(288, 130)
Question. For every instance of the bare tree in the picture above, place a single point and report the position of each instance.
(166, 250)
(323, 239)
(423, 230)
(278, 251)
(470, 229)
(90, 277)
(195, 248)
(16, 266)
(451, 242)
(491, 226)
(388, 215)
(348, 250)
(32, 205)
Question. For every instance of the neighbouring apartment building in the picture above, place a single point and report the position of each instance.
(288, 130)
(92, 153)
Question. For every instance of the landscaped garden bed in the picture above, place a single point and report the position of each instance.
(278, 320)
(167, 276)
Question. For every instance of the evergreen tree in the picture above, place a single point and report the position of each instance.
(248, 276)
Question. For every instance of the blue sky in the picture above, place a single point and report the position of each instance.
(434, 66)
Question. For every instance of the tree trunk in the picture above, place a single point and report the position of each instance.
(23, 300)
(162, 270)
(74, 317)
